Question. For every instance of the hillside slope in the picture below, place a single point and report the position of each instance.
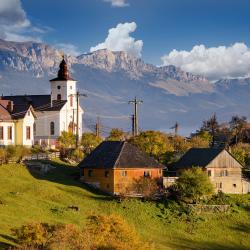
(26, 198)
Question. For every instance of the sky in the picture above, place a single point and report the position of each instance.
(208, 37)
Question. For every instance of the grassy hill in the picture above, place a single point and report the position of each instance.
(26, 197)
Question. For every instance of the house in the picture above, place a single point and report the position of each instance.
(56, 112)
(16, 124)
(114, 165)
(222, 168)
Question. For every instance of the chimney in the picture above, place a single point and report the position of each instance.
(10, 106)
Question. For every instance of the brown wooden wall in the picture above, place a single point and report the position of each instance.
(116, 182)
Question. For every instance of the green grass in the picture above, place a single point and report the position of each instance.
(25, 197)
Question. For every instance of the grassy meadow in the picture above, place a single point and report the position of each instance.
(25, 197)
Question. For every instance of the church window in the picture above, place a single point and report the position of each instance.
(52, 128)
(34, 129)
(59, 97)
(58, 87)
(71, 101)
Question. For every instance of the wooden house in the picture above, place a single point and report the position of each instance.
(114, 165)
(223, 169)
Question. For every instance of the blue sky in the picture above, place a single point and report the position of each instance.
(161, 25)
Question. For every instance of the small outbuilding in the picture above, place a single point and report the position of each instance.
(114, 165)
(220, 165)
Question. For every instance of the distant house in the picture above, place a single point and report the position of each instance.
(16, 124)
(114, 165)
(223, 169)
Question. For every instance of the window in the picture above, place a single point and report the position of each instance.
(159, 172)
(106, 173)
(9, 133)
(223, 173)
(219, 185)
(1, 133)
(34, 129)
(90, 173)
(28, 113)
(70, 87)
(147, 173)
(209, 173)
(123, 173)
(58, 87)
(59, 97)
(27, 132)
(52, 128)
(234, 185)
(71, 101)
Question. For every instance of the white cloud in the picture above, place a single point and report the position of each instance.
(119, 39)
(215, 62)
(68, 48)
(117, 3)
(14, 24)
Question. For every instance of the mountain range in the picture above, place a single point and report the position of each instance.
(111, 79)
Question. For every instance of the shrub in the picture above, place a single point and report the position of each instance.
(145, 186)
(16, 153)
(77, 155)
(193, 185)
(3, 155)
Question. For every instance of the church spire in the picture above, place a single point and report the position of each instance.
(63, 73)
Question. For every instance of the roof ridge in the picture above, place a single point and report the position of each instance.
(118, 158)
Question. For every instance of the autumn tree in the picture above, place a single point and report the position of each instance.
(154, 143)
(89, 142)
(67, 140)
(237, 125)
(212, 126)
(192, 185)
(116, 134)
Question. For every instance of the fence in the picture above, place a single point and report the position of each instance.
(39, 156)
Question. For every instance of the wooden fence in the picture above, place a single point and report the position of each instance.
(39, 156)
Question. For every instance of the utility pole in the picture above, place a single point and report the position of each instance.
(133, 124)
(78, 95)
(98, 127)
(176, 128)
(136, 102)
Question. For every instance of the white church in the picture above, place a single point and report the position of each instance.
(54, 113)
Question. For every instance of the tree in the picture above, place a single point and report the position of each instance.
(116, 134)
(199, 142)
(67, 140)
(89, 142)
(112, 232)
(212, 126)
(192, 185)
(237, 125)
(154, 143)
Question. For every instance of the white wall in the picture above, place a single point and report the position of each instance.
(5, 126)
(28, 120)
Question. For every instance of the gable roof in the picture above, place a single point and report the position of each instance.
(4, 113)
(38, 102)
(117, 154)
(200, 157)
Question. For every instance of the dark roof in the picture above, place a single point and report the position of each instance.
(116, 154)
(196, 157)
(63, 73)
(38, 102)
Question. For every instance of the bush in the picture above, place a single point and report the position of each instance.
(77, 155)
(3, 155)
(16, 153)
(101, 232)
(193, 185)
(145, 186)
